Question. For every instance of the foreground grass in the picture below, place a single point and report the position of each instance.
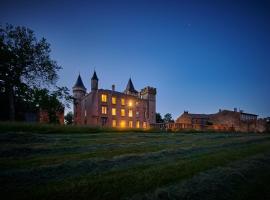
(123, 165)
(54, 128)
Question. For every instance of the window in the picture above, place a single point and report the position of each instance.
(138, 124)
(137, 103)
(122, 101)
(104, 98)
(123, 113)
(104, 109)
(113, 123)
(103, 121)
(130, 113)
(113, 111)
(123, 124)
(130, 124)
(113, 100)
(137, 113)
(144, 124)
(130, 103)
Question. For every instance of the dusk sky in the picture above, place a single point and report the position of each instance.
(200, 55)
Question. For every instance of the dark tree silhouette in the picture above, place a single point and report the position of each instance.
(159, 118)
(168, 118)
(69, 118)
(24, 62)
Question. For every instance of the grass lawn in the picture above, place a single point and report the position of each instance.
(134, 165)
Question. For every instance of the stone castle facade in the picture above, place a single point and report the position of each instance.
(110, 108)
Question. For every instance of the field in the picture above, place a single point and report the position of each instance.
(134, 165)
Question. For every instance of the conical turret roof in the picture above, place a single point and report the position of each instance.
(130, 87)
(94, 77)
(79, 83)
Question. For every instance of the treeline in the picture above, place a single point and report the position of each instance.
(28, 76)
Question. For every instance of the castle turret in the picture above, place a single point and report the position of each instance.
(79, 92)
(149, 93)
(94, 82)
(130, 88)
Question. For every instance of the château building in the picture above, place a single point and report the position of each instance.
(110, 108)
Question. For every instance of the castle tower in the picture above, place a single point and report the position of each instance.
(149, 93)
(94, 82)
(130, 88)
(79, 92)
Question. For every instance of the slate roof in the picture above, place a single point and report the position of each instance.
(79, 83)
(130, 87)
(94, 77)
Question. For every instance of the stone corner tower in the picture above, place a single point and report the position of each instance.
(79, 92)
(149, 93)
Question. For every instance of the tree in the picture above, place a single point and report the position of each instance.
(24, 62)
(69, 118)
(159, 118)
(52, 102)
(168, 118)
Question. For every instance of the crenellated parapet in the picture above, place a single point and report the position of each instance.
(148, 90)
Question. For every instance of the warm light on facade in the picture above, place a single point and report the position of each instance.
(137, 124)
(104, 109)
(123, 112)
(113, 100)
(144, 125)
(113, 111)
(113, 123)
(123, 124)
(130, 124)
(130, 104)
(104, 98)
(123, 102)
(130, 113)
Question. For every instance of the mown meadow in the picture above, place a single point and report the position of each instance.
(133, 165)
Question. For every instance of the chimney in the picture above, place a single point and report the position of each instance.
(113, 87)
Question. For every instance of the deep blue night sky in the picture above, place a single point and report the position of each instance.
(200, 55)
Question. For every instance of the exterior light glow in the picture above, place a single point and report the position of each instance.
(123, 124)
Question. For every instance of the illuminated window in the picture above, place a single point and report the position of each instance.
(137, 124)
(104, 109)
(113, 100)
(137, 103)
(123, 113)
(113, 111)
(104, 98)
(137, 113)
(130, 124)
(122, 123)
(113, 123)
(130, 103)
(144, 124)
(122, 102)
(130, 113)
